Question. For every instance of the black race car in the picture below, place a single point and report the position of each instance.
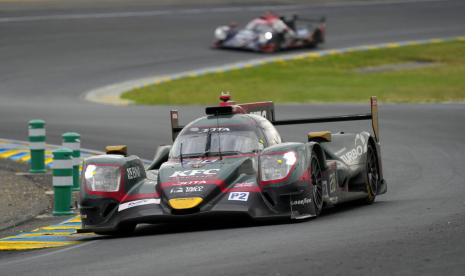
(232, 162)
(271, 33)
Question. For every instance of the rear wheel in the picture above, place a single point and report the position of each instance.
(372, 175)
(317, 181)
(315, 39)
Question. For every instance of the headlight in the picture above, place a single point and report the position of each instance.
(268, 35)
(277, 166)
(221, 32)
(263, 38)
(102, 178)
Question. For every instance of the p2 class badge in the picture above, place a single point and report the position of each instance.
(239, 196)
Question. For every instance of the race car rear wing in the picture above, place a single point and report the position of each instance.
(373, 116)
(311, 20)
(266, 109)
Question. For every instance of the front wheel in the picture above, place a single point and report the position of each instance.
(317, 184)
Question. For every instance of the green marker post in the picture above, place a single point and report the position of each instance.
(37, 145)
(62, 181)
(72, 140)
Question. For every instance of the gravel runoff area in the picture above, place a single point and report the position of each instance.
(25, 200)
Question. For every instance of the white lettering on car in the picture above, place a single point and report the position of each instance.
(206, 161)
(301, 201)
(140, 202)
(339, 152)
(195, 173)
(262, 113)
(332, 183)
(133, 172)
(195, 182)
(245, 184)
(239, 196)
(354, 154)
(176, 190)
(179, 173)
(194, 189)
(216, 129)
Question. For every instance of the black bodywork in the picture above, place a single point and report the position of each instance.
(242, 168)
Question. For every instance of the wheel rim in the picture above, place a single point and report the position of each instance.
(317, 184)
(372, 172)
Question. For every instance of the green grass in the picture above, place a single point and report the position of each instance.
(327, 79)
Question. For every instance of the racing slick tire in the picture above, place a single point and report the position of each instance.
(122, 230)
(372, 177)
(316, 38)
(317, 184)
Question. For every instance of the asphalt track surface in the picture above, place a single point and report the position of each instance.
(418, 227)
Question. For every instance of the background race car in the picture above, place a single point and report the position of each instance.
(270, 33)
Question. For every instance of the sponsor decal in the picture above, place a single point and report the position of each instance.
(133, 172)
(194, 189)
(200, 163)
(262, 113)
(239, 196)
(352, 155)
(194, 182)
(301, 201)
(339, 152)
(208, 172)
(243, 185)
(325, 188)
(216, 129)
(176, 190)
(135, 203)
(332, 183)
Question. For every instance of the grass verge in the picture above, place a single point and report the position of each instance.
(437, 75)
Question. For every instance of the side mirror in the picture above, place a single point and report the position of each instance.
(319, 136)
(161, 156)
(118, 149)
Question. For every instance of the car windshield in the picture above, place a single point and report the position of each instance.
(208, 143)
(259, 26)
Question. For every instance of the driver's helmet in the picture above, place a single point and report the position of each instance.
(269, 16)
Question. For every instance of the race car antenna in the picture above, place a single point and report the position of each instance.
(180, 153)
(219, 136)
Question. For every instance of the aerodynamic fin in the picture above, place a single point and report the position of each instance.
(373, 116)
(266, 109)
